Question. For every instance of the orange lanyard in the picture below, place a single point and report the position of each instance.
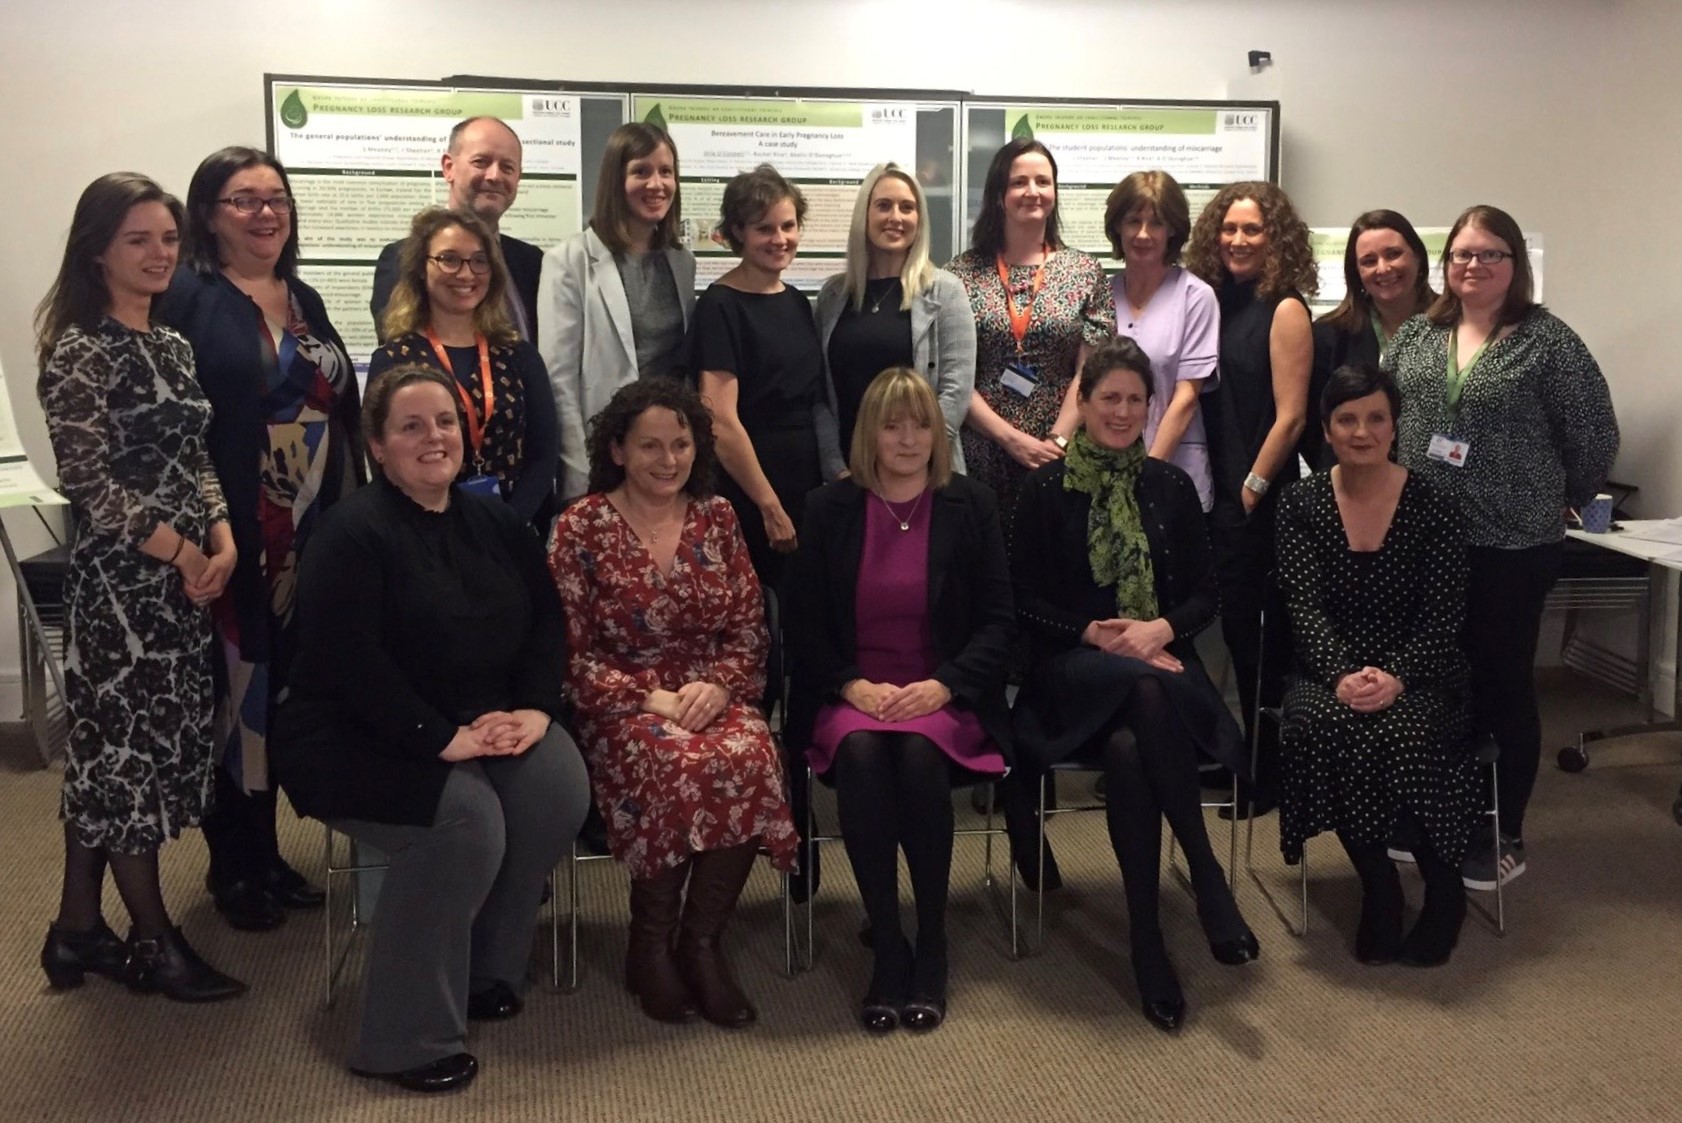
(1021, 320)
(475, 423)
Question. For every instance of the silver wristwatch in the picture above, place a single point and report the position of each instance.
(1257, 484)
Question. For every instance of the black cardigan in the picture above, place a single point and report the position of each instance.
(1056, 597)
(411, 623)
(224, 327)
(971, 616)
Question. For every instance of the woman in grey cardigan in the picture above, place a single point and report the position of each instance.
(893, 308)
(616, 298)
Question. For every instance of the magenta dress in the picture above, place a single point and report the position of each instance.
(894, 644)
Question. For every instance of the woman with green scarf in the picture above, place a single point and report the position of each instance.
(1113, 580)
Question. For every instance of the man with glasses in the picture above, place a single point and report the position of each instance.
(482, 167)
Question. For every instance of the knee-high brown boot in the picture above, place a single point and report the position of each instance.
(713, 889)
(651, 973)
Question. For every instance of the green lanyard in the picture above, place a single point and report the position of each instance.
(1378, 330)
(1456, 381)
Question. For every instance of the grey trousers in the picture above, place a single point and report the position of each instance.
(460, 898)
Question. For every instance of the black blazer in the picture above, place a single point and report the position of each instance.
(224, 327)
(525, 263)
(971, 613)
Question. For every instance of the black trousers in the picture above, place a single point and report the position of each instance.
(1244, 558)
(1505, 592)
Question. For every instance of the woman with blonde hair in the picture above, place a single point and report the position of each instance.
(901, 617)
(892, 308)
(450, 311)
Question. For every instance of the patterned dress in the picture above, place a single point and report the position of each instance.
(298, 395)
(1073, 306)
(1399, 608)
(663, 791)
(128, 422)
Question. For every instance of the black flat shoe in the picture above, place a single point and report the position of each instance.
(245, 905)
(495, 1003)
(883, 1006)
(1236, 952)
(878, 1017)
(451, 1074)
(288, 888)
(68, 956)
(924, 1013)
(168, 965)
(1166, 1014)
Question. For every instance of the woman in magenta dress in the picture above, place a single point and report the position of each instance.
(666, 627)
(899, 691)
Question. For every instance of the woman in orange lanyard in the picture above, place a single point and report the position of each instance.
(448, 310)
(1039, 306)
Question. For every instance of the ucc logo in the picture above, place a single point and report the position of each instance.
(892, 113)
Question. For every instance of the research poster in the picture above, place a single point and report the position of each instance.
(1328, 243)
(1203, 147)
(826, 148)
(20, 484)
(364, 158)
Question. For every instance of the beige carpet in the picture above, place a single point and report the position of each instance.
(1573, 1016)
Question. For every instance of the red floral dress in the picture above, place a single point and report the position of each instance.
(663, 791)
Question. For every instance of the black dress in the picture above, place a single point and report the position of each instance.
(865, 342)
(1076, 694)
(770, 343)
(1399, 608)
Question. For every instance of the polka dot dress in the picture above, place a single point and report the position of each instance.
(1399, 608)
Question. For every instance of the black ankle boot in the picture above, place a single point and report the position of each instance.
(168, 965)
(1437, 930)
(1378, 939)
(67, 956)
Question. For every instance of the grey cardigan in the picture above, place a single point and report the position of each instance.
(943, 351)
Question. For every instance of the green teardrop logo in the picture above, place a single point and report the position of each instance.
(655, 117)
(292, 111)
(1023, 130)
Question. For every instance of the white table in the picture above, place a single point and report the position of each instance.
(1661, 559)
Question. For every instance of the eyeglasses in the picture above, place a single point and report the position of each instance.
(1482, 257)
(479, 264)
(251, 204)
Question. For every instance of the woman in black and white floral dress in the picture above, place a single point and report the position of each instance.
(151, 548)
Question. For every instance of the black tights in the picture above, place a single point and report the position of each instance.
(1153, 776)
(1381, 895)
(136, 876)
(894, 790)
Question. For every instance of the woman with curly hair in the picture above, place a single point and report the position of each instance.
(1252, 249)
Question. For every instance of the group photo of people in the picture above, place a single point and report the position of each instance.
(598, 555)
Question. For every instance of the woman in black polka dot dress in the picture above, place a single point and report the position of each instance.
(1372, 567)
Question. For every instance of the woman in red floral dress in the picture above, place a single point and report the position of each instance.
(666, 629)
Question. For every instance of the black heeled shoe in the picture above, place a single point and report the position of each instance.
(1160, 997)
(448, 1074)
(495, 1003)
(289, 889)
(926, 1008)
(1236, 952)
(68, 956)
(168, 965)
(1436, 932)
(1378, 936)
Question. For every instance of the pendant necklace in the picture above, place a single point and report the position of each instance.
(904, 523)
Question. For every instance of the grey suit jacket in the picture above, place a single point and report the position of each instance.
(942, 345)
(585, 337)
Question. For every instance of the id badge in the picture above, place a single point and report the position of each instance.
(1446, 450)
(1020, 378)
(481, 485)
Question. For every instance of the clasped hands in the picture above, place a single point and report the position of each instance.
(1369, 690)
(1145, 640)
(205, 574)
(498, 733)
(886, 702)
(692, 706)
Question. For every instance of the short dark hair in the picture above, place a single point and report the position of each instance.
(1498, 223)
(634, 141)
(613, 424)
(748, 196)
(1357, 380)
(376, 403)
(80, 295)
(1352, 315)
(1120, 353)
(1162, 194)
(212, 175)
(988, 235)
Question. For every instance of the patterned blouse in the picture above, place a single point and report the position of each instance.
(1535, 410)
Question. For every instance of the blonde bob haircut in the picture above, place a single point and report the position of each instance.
(898, 393)
(918, 272)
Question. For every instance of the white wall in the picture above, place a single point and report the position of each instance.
(1565, 112)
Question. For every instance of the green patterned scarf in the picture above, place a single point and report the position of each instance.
(1115, 536)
